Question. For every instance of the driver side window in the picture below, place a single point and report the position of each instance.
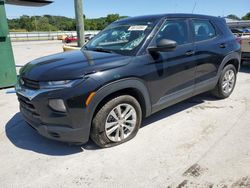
(176, 30)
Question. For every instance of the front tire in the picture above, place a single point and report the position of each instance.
(227, 81)
(118, 121)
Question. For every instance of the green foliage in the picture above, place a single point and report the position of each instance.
(246, 17)
(101, 23)
(59, 23)
(233, 17)
(112, 17)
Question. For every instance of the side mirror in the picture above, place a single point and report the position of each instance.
(163, 45)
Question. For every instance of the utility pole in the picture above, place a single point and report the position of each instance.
(79, 22)
(35, 23)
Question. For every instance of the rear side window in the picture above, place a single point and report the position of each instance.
(203, 29)
(176, 30)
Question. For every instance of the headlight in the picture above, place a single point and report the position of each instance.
(58, 84)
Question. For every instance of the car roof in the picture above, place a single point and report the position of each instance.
(160, 16)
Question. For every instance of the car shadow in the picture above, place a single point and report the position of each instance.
(24, 137)
(189, 103)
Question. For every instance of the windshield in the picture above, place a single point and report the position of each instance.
(123, 38)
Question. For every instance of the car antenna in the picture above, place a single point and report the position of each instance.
(195, 3)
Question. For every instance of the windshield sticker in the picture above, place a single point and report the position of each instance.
(138, 28)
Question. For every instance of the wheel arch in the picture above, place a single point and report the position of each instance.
(232, 58)
(132, 86)
(233, 62)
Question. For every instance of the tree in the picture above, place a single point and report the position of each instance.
(14, 24)
(44, 25)
(112, 17)
(233, 17)
(246, 17)
(25, 23)
(59, 23)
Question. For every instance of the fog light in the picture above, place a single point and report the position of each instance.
(57, 105)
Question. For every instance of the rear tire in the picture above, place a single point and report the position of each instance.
(226, 83)
(118, 121)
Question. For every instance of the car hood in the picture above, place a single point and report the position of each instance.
(71, 65)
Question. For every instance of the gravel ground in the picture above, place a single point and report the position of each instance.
(201, 142)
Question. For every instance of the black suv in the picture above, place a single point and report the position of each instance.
(130, 70)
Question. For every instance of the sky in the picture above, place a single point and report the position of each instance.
(100, 8)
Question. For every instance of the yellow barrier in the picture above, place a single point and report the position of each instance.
(68, 48)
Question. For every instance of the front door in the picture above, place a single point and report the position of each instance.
(178, 73)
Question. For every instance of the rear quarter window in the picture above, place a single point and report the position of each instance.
(203, 30)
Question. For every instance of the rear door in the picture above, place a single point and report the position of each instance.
(208, 48)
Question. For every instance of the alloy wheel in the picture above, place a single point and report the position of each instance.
(228, 81)
(120, 122)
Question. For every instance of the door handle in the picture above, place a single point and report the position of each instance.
(223, 45)
(190, 52)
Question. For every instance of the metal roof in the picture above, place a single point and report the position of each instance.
(245, 23)
(237, 23)
(36, 3)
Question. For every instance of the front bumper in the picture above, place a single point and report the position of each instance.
(55, 132)
(72, 126)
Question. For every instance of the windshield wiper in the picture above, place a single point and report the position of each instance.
(101, 50)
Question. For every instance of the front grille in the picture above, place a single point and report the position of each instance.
(31, 84)
(27, 106)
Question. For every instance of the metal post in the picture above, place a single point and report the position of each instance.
(79, 22)
(8, 75)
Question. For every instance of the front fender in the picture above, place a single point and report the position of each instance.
(103, 92)
(134, 83)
